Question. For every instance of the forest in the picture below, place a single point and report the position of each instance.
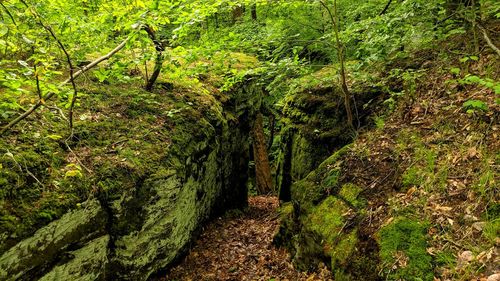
(250, 140)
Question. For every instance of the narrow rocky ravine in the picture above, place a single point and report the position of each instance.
(239, 246)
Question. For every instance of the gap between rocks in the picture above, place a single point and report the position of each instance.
(239, 246)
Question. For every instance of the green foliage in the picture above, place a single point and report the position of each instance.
(492, 230)
(379, 122)
(475, 105)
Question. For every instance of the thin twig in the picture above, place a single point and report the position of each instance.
(386, 8)
(77, 158)
(26, 167)
(49, 29)
(8, 13)
(37, 83)
(34, 177)
(58, 110)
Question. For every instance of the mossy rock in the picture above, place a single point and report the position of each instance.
(184, 160)
(324, 224)
(320, 182)
(319, 224)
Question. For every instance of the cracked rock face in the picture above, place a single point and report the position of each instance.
(32, 255)
(142, 228)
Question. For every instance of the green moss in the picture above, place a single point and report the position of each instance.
(350, 193)
(340, 275)
(87, 263)
(286, 230)
(327, 220)
(413, 176)
(332, 179)
(446, 258)
(308, 191)
(403, 252)
(425, 172)
(342, 251)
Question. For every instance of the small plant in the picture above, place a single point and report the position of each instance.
(379, 122)
(73, 171)
(473, 106)
(485, 82)
(102, 74)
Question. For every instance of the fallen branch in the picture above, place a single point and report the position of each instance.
(488, 40)
(75, 75)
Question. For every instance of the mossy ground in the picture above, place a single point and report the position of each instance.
(403, 250)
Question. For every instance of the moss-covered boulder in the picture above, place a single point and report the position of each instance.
(144, 171)
(314, 124)
(32, 256)
(331, 220)
(322, 220)
(84, 264)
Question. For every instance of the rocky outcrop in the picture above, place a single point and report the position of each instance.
(321, 210)
(314, 125)
(45, 247)
(149, 205)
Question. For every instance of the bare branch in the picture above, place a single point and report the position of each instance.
(488, 40)
(386, 8)
(37, 83)
(55, 108)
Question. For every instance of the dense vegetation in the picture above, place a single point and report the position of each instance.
(380, 119)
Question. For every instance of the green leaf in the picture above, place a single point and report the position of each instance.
(496, 88)
(73, 174)
(472, 79)
(74, 166)
(475, 105)
(54, 137)
(27, 40)
(23, 63)
(455, 70)
(3, 30)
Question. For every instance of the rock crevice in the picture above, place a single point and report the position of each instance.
(133, 230)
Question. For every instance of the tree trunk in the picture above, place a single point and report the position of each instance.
(157, 69)
(272, 129)
(159, 47)
(238, 13)
(254, 12)
(262, 168)
(341, 57)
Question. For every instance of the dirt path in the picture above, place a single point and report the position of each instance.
(240, 248)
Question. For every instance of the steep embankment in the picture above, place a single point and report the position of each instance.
(415, 197)
(124, 197)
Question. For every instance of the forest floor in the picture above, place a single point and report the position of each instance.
(239, 246)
